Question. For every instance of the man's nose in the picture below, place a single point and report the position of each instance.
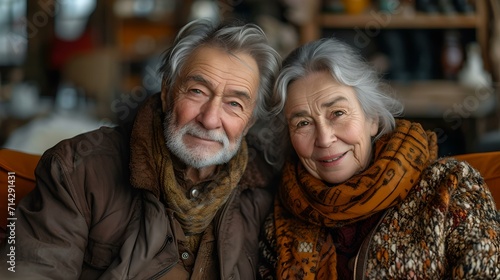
(210, 114)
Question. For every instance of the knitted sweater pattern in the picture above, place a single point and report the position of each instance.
(447, 227)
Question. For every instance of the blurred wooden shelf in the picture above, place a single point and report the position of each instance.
(373, 20)
(381, 20)
(442, 99)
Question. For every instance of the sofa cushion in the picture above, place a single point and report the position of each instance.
(17, 179)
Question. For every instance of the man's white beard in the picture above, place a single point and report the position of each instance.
(197, 157)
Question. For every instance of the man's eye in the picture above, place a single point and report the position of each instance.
(234, 104)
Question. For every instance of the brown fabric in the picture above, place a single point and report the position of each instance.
(194, 215)
(307, 252)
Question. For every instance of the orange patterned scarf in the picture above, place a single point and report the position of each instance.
(307, 252)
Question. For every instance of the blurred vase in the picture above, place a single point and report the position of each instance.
(353, 7)
(24, 100)
(388, 6)
(473, 73)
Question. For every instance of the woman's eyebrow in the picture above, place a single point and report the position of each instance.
(332, 102)
(328, 104)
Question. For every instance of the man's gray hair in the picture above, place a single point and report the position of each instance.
(348, 68)
(232, 37)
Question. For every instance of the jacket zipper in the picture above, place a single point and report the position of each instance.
(166, 269)
(162, 272)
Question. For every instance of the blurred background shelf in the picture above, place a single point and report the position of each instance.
(106, 53)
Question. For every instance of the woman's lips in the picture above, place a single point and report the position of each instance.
(332, 160)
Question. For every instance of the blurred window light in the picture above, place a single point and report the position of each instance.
(144, 8)
(13, 37)
(204, 9)
(71, 18)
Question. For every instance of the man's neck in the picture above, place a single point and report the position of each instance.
(197, 175)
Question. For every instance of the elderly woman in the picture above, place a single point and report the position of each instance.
(364, 196)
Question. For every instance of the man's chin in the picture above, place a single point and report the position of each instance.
(204, 158)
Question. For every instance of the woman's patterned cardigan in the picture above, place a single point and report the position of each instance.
(447, 228)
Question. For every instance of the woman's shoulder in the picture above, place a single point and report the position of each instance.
(456, 182)
(450, 167)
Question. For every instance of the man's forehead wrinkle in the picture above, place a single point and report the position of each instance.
(241, 93)
(199, 78)
(244, 62)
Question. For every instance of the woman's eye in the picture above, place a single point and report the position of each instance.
(337, 113)
(302, 123)
(196, 91)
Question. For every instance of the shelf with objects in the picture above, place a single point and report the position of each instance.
(435, 57)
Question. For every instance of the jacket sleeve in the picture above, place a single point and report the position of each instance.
(473, 243)
(51, 229)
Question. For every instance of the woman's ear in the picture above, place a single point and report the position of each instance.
(374, 126)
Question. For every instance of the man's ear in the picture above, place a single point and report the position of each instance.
(251, 122)
(164, 99)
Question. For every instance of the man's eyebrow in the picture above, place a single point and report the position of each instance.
(242, 94)
(201, 79)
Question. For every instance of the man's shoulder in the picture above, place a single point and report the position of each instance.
(105, 141)
(102, 153)
(95, 161)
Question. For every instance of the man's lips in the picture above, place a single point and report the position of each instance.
(205, 139)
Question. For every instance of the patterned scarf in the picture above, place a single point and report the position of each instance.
(306, 204)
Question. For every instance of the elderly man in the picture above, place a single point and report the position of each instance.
(165, 202)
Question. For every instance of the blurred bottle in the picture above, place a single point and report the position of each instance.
(426, 6)
(354, 7)
(463, 6)
(334, 6)
(452, 55)
(446, 7)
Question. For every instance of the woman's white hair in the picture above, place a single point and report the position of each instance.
(348, 68)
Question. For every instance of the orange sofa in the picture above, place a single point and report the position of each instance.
(23, 165)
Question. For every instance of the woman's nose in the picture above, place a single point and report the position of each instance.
(325, 136)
